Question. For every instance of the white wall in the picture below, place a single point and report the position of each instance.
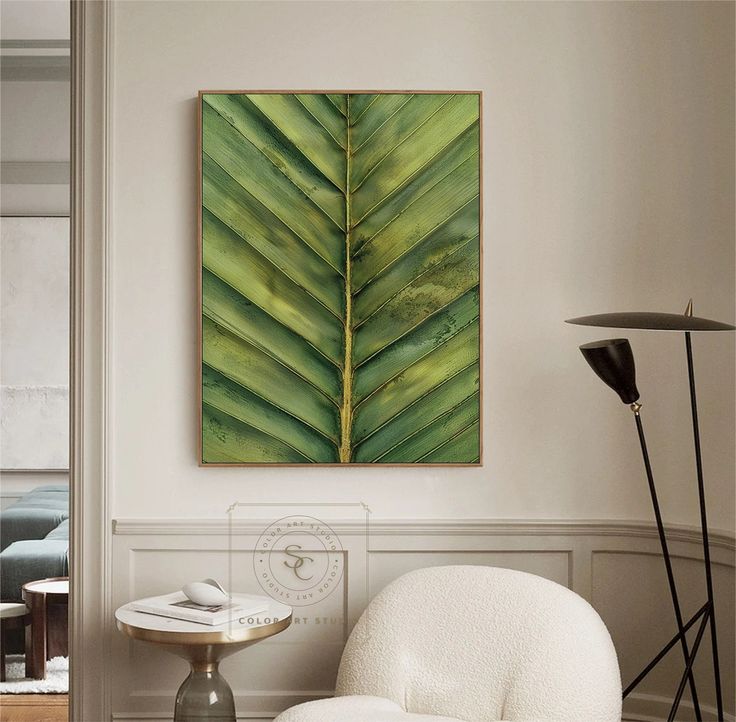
(608, 184)
(34, 107)
(34, 147)
(35, 121)
(34, 20)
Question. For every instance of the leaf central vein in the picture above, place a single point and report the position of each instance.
(346, 409)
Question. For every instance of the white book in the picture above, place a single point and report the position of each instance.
(178, 606)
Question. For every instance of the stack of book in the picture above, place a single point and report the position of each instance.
(178, 606)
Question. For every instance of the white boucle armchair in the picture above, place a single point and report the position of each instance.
(476, 644)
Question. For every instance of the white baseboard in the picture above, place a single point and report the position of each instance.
(655, 708)
(164, 716)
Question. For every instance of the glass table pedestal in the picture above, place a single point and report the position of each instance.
(205, 695)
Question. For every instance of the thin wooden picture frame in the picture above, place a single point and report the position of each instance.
(199, 185)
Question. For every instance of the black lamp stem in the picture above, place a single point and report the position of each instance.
(704, 524)
(668, 564)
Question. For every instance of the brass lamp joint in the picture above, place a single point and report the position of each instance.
(635, 407)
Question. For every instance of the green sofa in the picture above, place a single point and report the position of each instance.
(34, 540)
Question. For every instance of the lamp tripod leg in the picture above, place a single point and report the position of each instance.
(667, 562)
(661, 654)
(688, 669)
(704, 524)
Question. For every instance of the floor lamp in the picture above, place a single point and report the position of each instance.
(613, 361)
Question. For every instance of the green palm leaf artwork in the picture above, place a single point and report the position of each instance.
(340, 278)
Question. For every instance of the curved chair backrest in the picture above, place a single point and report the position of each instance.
(481, 644)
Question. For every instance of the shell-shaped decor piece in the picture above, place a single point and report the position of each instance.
(206, 593)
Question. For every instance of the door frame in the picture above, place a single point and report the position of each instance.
(90, 622)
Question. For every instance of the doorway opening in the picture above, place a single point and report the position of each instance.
(35, 110)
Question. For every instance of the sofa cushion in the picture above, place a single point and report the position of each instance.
(31, 559)
(60, 532)
(34, 515)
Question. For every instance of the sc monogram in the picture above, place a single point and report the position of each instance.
(298, 563)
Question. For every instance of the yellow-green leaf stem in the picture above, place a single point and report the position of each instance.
(346, 407)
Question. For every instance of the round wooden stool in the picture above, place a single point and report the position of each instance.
(12, 614)
(48, 602)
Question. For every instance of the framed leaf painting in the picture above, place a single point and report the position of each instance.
(340, 284)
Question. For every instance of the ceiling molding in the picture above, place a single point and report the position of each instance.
(30, 44)
(34, 172)
(29, 59)
(34, 67)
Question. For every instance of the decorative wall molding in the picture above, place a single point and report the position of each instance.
(153, 555)
(28, 59)
(32, 46)
(34, 67)
(442, 527)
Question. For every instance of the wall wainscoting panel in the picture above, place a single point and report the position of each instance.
(614, 565)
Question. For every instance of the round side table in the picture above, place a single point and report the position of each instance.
(48, 604)
(12, 615)
(204, 694)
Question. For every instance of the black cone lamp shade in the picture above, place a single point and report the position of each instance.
(613, 362)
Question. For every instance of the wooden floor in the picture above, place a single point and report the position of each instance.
(34, 708)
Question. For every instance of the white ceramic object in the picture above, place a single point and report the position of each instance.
(207, 593)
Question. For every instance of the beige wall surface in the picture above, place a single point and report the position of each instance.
(48, 20)
(35, 121)
(608, 185)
